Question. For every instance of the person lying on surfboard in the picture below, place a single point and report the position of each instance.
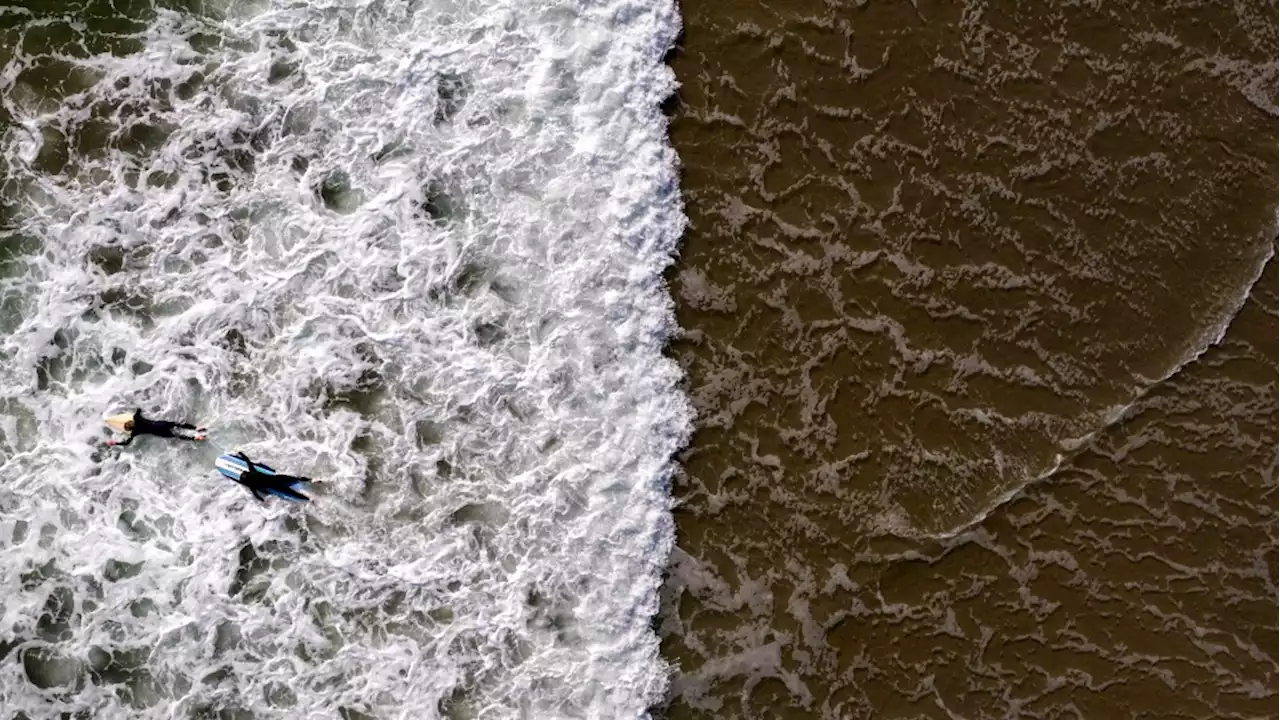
(258, 481)
(139, 425)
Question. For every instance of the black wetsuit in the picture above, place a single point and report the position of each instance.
(162, 428)
(257, 481)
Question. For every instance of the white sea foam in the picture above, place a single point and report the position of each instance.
(414, 250)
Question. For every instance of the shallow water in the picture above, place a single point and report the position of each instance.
(980, 329)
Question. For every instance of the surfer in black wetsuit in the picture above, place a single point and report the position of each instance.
(140, 425)
(258, 481)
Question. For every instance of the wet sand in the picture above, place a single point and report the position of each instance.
(972, 440)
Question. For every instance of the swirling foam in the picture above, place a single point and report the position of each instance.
(415, 251)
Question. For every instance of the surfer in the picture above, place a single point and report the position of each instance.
(258, 481)
(139, 425)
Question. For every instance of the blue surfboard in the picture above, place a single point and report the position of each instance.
(231, 468)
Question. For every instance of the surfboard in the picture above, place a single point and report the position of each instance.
(231, 467)
(117, 421)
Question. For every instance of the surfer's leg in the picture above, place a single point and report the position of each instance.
(161, 428)
(292, 493)
(181, 431)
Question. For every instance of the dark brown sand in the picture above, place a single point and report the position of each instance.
(972, 440)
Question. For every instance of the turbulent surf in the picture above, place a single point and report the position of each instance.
(415, 249)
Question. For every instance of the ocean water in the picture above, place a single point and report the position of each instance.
(414, 250)
(978, 310)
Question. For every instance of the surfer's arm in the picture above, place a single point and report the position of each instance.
(120, 443)
(252, 467)
(257, 494)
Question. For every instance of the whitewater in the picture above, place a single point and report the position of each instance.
(412, 249)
